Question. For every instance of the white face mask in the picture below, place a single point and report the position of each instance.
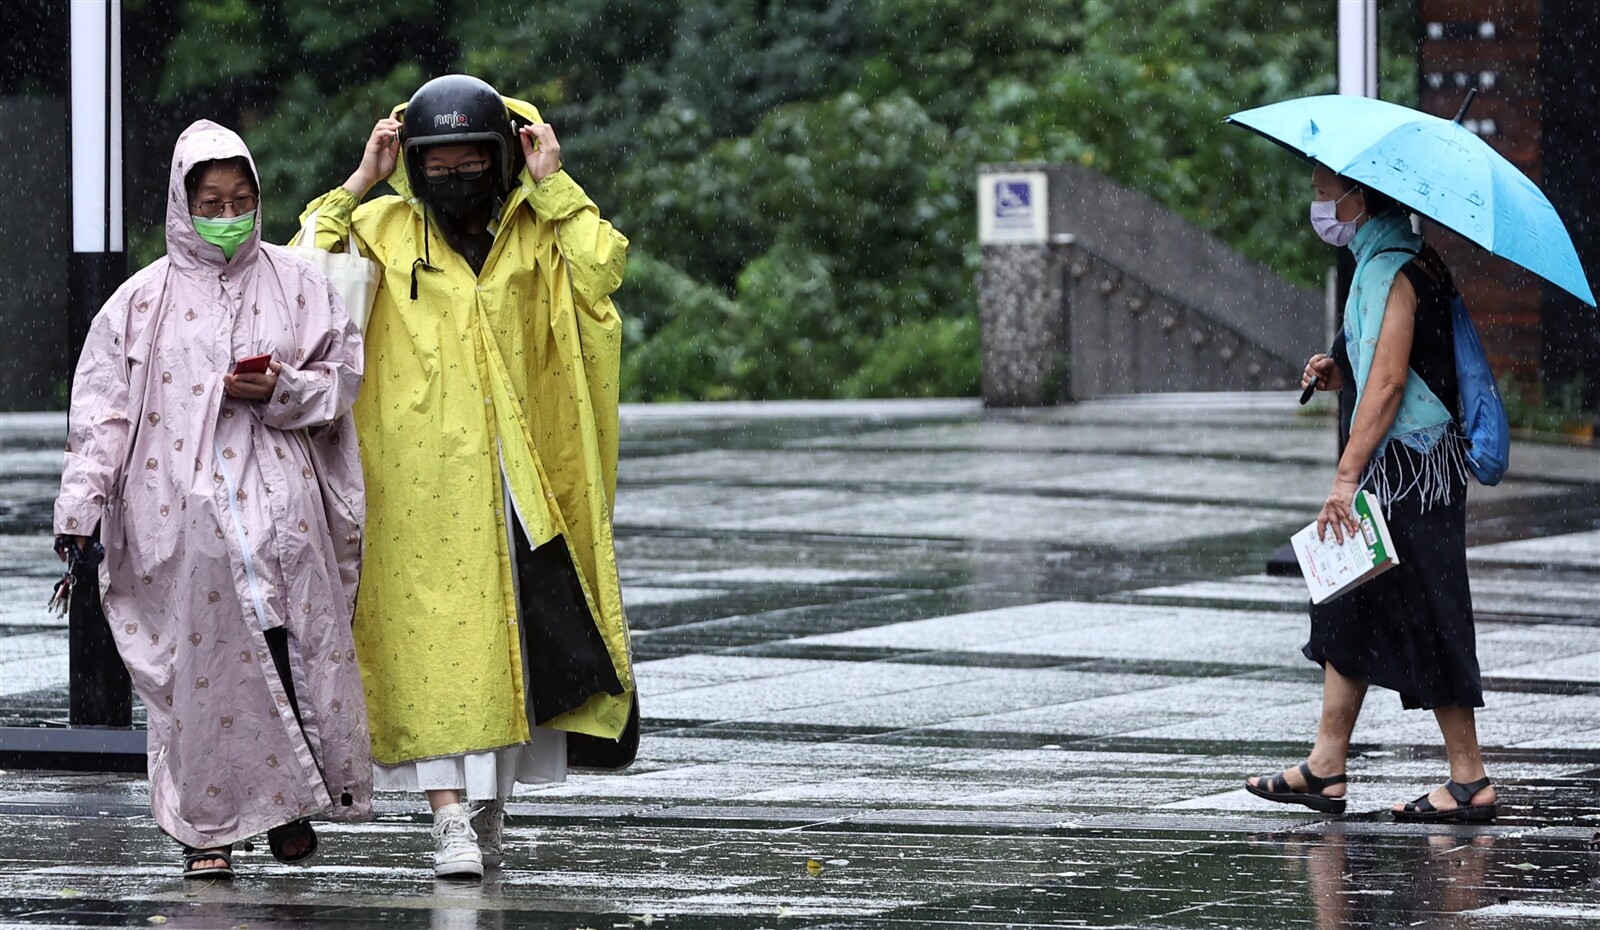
(1329, 228)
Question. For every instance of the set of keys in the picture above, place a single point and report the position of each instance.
(87, 559)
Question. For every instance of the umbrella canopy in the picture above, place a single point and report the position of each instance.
(1436, 167)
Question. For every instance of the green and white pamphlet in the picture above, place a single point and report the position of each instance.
(1331, 567)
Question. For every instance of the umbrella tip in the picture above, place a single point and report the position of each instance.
(1472, 94)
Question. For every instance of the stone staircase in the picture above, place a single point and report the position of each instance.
(1129, 298)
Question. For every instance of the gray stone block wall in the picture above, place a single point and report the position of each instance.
(1019, 296)
(1131, 298)
(1128, 338)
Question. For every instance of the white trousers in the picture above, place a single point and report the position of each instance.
(482, 776)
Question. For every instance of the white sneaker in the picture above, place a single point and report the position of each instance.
(488, 822)
(456, 846)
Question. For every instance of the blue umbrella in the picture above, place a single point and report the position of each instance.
(1436, 167)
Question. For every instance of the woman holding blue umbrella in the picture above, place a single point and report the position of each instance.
(1410, 629)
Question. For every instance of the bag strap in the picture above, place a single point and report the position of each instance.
(308, 234)
(1447, 281)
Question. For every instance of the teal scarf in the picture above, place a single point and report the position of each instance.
(1422, 419)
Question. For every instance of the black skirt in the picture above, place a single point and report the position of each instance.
(1410, 629)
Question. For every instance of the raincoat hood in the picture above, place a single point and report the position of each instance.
(522, 113)
(204, 140)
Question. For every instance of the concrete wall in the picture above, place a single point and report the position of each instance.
(35, 230)
(1130, 298)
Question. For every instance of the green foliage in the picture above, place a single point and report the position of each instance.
(796, 176)
(326, 27)
(1143, 101)
(866, 184)
(221, 42)
(928, 358)
(681, 337)
(941, 54)
(830, 223)
(602, 70)
(298, 172)
(1530, 407)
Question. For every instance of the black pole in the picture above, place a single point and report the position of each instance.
(1569, 162)
(99, 691)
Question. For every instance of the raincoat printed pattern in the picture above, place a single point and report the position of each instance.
(514, 371)
(223, 517)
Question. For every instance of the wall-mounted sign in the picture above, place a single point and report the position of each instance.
(1013, 208)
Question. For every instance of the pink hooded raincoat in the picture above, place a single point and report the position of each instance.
(222, 518)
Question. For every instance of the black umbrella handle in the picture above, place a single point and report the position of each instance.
(1315, 382)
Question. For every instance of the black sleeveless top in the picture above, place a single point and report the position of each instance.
(1433, 354)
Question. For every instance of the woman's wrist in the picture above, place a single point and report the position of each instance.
(359, 185)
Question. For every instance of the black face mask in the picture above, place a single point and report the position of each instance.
(461, 199)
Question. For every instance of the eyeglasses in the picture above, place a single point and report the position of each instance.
(211, 209)
(466, 171)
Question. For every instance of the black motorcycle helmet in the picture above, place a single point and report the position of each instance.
(454, 109)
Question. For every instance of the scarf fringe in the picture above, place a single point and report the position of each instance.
(1434, 473)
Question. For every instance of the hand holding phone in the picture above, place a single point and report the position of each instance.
(259, 384)
(254, 365)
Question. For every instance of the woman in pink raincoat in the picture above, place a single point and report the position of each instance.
(230, 507)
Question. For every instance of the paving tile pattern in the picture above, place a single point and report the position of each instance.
(912, 665)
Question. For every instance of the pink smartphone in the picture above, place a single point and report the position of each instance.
(254, 365)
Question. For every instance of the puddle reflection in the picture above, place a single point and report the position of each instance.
(459, 907)
(1436, 881)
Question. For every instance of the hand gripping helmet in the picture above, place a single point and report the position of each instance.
(455, 109)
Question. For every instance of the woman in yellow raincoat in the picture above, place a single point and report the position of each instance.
(489, 618)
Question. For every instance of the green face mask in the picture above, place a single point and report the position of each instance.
(226, 234)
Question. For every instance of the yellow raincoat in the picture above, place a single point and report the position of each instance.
(513, 372)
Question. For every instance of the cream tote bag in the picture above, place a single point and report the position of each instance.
(354, 277)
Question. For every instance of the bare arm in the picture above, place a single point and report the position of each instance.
(378, 158)
(1380, 401)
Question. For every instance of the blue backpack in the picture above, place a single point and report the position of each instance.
(1483, 413)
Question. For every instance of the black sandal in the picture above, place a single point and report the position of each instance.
(1277, 788)
(192, 856)
(280, 837)
(1422, 810)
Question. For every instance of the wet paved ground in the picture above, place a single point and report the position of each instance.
(906, 665)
